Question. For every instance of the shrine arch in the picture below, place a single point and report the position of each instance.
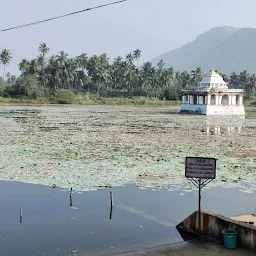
(213, 99)
(224, 100)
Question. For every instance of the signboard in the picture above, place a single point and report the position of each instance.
(199, 167)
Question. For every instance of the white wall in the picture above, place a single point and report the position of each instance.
(213, 109)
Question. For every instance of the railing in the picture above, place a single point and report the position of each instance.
(216, 91)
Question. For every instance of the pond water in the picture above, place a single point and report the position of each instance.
(98, 149)
(139, 219)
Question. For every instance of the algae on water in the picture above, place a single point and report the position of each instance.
(93, 147)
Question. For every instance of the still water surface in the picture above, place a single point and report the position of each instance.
(140, 218)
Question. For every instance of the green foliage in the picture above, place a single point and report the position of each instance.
(65, 96)
(98, 75)
(4, 89)
(173, 94)
(251, 102)
(83, 100)
(27, 86)
(5, 59)
(212, 90)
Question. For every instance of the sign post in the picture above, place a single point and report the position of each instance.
(200, 171)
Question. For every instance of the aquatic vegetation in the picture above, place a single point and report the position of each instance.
(94, 147)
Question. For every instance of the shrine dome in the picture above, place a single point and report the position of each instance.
(212, 80)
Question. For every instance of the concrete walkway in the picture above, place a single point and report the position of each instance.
(191, 249)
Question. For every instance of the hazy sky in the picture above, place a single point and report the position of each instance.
(154, 26)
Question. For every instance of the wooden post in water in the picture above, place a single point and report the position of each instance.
(111, 199)
(20, 215)
(111, 205)
(70, 198)
(199, 207)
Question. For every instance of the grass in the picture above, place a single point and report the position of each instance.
(96, 100)
(250, 103)
(93, 100)
(24, 101)
(136, 101)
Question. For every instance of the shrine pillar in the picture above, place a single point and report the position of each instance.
(240, 101)
(229, 100)
(216, 100)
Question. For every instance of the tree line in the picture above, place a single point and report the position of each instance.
(98, 75)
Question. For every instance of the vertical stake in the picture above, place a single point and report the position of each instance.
(111, 205)
(70, 197)
(20, 215)
(111, 199)
(199, 207)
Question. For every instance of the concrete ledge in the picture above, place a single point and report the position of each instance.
(212, 109)
(188, 108)
(213, 224)
(192, 248)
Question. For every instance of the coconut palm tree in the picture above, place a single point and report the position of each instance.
(184, 80)
(43, 49)
(53, 72)
(23, 66)
(137, 55)
(5, 59)
(250, 87)
(196, 76)
(161, 64)
(10, 79)
(40, 62)
(234, 80)
(82, 61)
(118, 60)
(224, 76)
(129, 59)
(33, 68)
(148, 76)
(62, 58)
(61, 66)
(244, 77)
(167, 78)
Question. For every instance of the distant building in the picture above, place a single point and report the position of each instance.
(213, 97)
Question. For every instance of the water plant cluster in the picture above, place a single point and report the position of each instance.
(95, 147)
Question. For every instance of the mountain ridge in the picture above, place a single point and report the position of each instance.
(227, 49)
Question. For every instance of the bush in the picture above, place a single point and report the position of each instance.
(251, 102)
(172, 93)
(65, 96)
(27, 86)
(2, 90)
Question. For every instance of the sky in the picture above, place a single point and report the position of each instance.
(154, 26)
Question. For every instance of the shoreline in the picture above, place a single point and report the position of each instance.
(101, 101)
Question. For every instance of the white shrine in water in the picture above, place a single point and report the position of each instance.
(213, 97)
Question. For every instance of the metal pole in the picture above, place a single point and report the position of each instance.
(199, 208)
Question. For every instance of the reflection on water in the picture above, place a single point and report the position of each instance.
(217, 125)
(94, 224)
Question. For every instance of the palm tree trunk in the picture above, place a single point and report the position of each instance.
(4, 73)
